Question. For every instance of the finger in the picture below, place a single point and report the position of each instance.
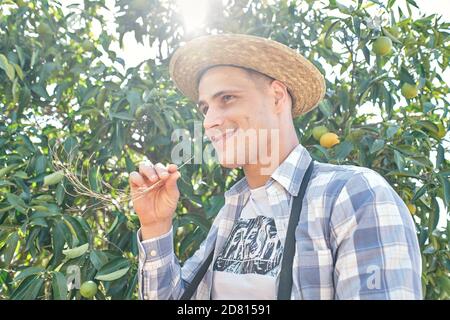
(146, 169)
(171, 168)
(171, 182)
(136, 180)
(161, 170)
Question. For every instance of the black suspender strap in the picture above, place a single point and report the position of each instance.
(189, 291)
(285, 283)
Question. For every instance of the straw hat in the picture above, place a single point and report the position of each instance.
(304, 81)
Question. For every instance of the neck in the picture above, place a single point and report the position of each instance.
(259, 173)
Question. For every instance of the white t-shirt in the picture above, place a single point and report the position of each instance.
(249, 264)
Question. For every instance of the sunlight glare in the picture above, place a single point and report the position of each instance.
(193, 12)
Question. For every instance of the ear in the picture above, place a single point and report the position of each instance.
(281, 96)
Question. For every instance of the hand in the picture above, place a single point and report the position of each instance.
(156, 207)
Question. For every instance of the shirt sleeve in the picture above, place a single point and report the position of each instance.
(160, 274)
(156, 263)
(374, 241)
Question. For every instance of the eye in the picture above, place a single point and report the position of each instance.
(227, 97)
(204, 109)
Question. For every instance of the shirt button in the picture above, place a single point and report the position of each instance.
(153, 253)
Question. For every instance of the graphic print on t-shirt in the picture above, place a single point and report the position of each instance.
(252, 247)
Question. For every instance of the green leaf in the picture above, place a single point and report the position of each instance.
(60, 193)
(3, 276)
(28, 289)
(113, 270)
(11, 245)
(123, 115)
(157, 119)
(421, 191)
(39, 222)
(20, 54)
(413, 3)
(7, 67)
(53, 178)
(434, 215)
(17, 202)
(399, 160)
(377, 145)
(405, 76)
(134, 98)
(88, 94)
(113, 276)
(21, 174)
(391, 131)
(113, 226)
(365, 87)
(391, 36)
(40, 164)
(58, 240)
(216, 203)
(196, 220)
(28, 272)
(440, 156)
(59, 286)
(114, 265)
(366, 53)
(343, 150)
(98, 259)
(76, 252)
(7, 170)
(322, 149)
(428, 125)
(446, 189)
(18, 71)
(94, 178)
(75, 226)
(402, 174)
(428, 106)
(325, 107)
(421, 161)
(24, 99)
(131, 287)
(40, 91)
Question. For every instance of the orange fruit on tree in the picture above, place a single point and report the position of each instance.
(409, 91)
(329, 140)
(412, 208)
(318, 132)
(382, 46)
(88, 289)
(442, 132)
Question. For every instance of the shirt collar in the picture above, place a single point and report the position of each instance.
(289, 174)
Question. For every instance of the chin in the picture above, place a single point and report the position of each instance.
(232, 161)
(229, 162)
(230, 165)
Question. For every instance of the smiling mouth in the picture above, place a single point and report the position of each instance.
(228, 134)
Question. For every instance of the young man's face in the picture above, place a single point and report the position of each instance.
(239, 117)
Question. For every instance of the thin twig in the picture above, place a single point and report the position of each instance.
(103, 200)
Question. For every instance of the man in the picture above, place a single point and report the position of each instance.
(355, 238)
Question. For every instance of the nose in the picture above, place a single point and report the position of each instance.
(212, 119)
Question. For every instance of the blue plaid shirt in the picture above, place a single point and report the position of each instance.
(355, 239)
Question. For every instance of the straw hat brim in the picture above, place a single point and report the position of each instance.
(304, 81)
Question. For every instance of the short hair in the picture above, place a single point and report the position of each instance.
(260, 79)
